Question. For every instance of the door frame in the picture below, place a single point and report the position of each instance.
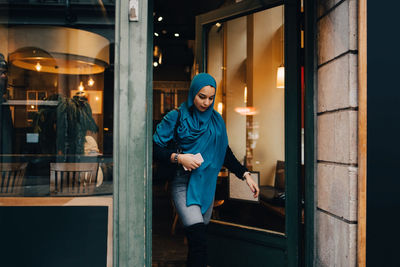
(133, 123)
(292, 239)
(310, 124)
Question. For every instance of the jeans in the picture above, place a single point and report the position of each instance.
(189, 215)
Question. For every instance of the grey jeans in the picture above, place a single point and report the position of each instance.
(189, 215)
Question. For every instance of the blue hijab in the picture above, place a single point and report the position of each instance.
(198, 132)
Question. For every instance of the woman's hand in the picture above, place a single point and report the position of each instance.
(253, 185)
(189, 161)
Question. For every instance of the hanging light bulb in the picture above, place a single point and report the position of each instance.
(80, 87)
(91, 82)
(38, 67)
(280, 77)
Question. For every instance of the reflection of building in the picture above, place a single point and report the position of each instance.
(59, 62)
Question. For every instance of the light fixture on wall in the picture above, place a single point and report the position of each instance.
(220, 107)
(280, 73)
(280, 77)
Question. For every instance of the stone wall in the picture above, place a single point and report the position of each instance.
(337, 110)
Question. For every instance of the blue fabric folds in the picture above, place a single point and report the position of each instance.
(198, 132)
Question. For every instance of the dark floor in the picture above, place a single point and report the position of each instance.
(169, 250)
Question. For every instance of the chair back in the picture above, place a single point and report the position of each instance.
(73, 178)
(280, 175)
(12, 176)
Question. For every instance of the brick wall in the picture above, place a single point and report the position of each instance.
(336, 216)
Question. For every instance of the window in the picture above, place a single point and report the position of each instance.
(57, 94)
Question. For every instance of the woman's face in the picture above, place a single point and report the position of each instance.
(204, 98)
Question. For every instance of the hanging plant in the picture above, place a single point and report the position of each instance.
(62, 128)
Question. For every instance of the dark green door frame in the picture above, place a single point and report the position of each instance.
(309, 129)
(292, 237)
(133, 135)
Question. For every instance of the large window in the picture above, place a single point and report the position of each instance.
(57, 88)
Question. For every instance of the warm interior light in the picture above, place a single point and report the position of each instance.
(155, 63)
(280, 78)
(160, 59)
(219, 107)
(80, 87)
(245, 94)
(58, 56)
(97, 98)
(38, 67)
(218, 24)
(91, 82)
(246, 111)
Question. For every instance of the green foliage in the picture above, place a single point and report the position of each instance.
(64, 127)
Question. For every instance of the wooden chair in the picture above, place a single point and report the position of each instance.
(71, 179)
(12, 176)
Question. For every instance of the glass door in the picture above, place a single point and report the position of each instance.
(253, 51)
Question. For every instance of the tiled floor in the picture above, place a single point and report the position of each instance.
(168, 250)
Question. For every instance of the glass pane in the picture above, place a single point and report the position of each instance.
(245, 55)
(57, 94)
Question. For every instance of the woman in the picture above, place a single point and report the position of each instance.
(198, 129)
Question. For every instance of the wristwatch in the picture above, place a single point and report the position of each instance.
(176, 157)
(244, 175)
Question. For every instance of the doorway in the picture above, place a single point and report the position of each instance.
(244, 45)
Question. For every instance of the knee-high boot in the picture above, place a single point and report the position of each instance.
(197, 245)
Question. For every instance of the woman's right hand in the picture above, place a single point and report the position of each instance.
(188, 161)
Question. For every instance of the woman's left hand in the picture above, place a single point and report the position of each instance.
(253, 185)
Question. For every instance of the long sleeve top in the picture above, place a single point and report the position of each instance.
(230, 162)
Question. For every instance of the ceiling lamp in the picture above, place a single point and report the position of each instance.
(59, 50)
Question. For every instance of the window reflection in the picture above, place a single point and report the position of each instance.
(245, 54)
(56, 108)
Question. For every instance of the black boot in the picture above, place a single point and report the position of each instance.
(197, 242)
